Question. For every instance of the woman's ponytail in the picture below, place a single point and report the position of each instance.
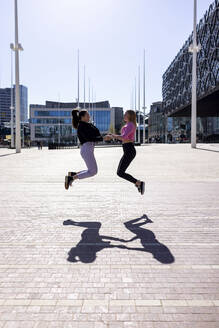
(75, 118)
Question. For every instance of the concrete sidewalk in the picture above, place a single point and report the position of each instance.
(101, 255)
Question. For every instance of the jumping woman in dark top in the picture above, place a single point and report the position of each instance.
(88, 135)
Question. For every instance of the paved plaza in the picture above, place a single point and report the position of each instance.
(100, 255)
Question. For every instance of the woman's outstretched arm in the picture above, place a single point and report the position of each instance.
(113, 238)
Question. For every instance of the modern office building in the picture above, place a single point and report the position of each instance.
(177, 80)
(52, 122)
(159, 125)
(116, 119)
(156, 122)
(23, 103)
(5, 104)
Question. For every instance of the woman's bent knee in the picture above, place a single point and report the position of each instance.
(93, 172)
(120, 173)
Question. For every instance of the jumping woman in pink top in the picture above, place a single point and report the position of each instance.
(128, 137)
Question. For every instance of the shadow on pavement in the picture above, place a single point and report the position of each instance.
(92, 242)
(206, 149)
(148, 240)
(7, 154)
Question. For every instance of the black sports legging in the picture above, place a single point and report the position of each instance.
(128, 156)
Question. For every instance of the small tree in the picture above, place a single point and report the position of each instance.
(112, 129)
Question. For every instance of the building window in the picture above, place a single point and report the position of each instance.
(101, 119)
(56, 113)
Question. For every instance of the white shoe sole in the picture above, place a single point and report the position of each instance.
(143, 188)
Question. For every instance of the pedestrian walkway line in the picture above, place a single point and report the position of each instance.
(87, 304)
(112, 266)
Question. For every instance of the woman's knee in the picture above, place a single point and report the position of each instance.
(93, 171)
(120, 173)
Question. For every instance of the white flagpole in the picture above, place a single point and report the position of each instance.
(78, 79)
(135, 100)
(89, 94)
(144, 98)
(139, 105)
(84, 88)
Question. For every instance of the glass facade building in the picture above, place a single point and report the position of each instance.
(101, 119)
(177, 80)
(52, 122)
(23, 103)
(5, 104)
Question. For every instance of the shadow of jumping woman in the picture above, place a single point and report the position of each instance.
(91, 242)
(148, 240)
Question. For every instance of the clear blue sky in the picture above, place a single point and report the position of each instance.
(110, 34)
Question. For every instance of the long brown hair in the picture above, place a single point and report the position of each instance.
(76, 116)
(132, 116)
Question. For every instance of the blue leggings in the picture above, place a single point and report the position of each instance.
(87, 153)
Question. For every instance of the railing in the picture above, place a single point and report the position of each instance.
(56, 146)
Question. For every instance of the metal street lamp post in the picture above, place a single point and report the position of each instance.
(194, 48)
(17, 47)
(12, 103)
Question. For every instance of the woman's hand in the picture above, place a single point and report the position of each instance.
(107, 137)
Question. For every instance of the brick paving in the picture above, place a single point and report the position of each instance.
(102, 256)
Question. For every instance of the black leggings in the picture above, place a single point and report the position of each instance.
(129, 155)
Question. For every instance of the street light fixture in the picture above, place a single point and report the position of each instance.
(12, 103)
(16, 47)
(194, 49)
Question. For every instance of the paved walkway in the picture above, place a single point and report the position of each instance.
(102, 256)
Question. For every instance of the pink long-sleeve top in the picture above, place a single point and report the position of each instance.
(128, 131)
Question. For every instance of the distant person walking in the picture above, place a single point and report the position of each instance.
(88, 135)
(38, 145)
(127, 137)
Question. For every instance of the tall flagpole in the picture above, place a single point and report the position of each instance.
(139, 105)
(135, 104)
(84, 88)
(94, 113)
(131, 98)
(78, 79)
(89, 94)
(12, 103)
(59, 118)
(92, 102)
(144, 98)
(130, 106)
